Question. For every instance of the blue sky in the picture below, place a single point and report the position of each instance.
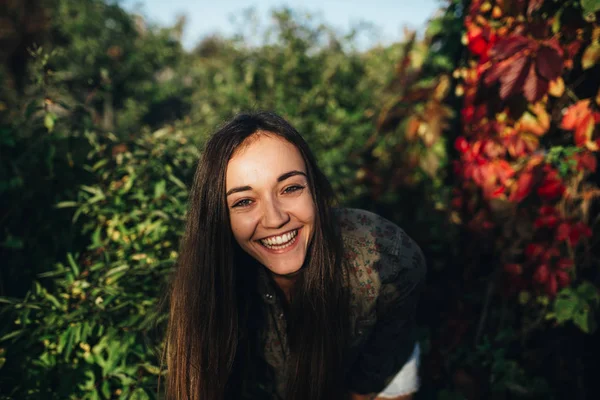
(205, 16)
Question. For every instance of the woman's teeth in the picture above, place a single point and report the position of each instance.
(280, 242)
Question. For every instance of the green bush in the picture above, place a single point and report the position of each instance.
(90, 336)
(90, 325)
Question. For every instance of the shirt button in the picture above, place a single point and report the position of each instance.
(269, 296)
(360, 332)
(281, 316)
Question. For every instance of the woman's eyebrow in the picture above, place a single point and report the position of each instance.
(280, 179)
(238, 189)
(289, 175)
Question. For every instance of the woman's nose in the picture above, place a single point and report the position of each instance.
(274, 215)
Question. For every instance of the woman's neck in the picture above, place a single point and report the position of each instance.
(285, 284)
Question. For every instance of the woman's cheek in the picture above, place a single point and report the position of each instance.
(243, 226)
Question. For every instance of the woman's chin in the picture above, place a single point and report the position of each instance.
(284, 271)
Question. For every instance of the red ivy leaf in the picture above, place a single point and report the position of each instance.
(551, 186)
(586, 161)
(564, 263)
(508, 47)
(496, 71)
(563, 278)
(512, 81)
(535, 87)
(461, 144)
(562, 232)
(542, 273)
(533, 251)
(513, 269)
(549, 61)
(552, 285)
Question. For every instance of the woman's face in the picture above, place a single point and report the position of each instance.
(270, 205)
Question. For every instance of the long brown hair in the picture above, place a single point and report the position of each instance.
(213, 307)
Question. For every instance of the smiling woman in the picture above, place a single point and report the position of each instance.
(271, 207)
(277, 295)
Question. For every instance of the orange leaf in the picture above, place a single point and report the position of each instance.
(412, 128)
(523, 187)
(575, 114)
(557, 87)
(584, 130)
(536, 120)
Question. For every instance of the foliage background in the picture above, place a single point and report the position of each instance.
(480, 138)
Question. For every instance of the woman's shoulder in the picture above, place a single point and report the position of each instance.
(372, 233)
(375, 249)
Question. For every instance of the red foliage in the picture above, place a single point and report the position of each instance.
(526, 65)
(586, 161)
(549, 217)
(552, 186)
(550, 270)
(580, 118)
(503, 148)
(572, 233)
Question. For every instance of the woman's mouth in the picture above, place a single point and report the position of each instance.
(280, 242)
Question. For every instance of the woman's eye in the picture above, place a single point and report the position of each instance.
(294, 188)
(242, 203)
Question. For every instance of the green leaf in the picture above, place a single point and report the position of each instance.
(11, 335)
(106, 389)
(95, 395)
(556, 23)
(159, 188)
(73, 264)
(100, 164)
(90, 382)
(177, 181)
(53, 300)
(564, 308)
(96, 237)
(590, 6)
(49, 120)
(115, 270)
(435, 27)
(8, 300)
(139, 394)
(584, 319)
(62, 340)
(589, 292)
(153, 369)
(51, 274)
(66, 204)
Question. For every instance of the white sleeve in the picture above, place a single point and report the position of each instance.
(407, 380)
